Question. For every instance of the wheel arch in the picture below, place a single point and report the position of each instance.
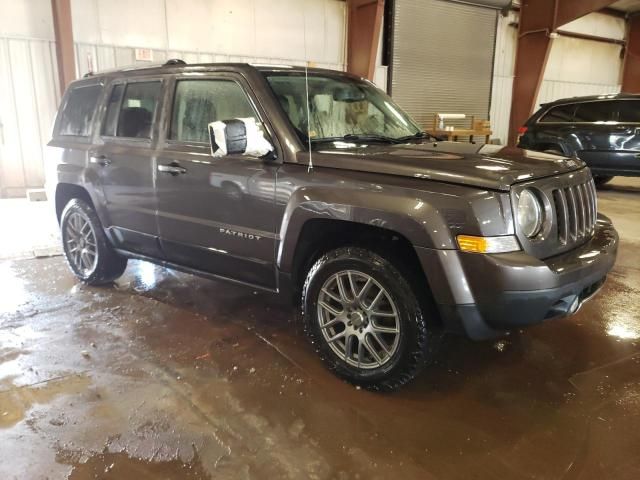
(319, 236)
(65, 192)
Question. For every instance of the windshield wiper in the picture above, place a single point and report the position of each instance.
(351, 137)
(419, 135)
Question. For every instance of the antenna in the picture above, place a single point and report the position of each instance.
(306, 85)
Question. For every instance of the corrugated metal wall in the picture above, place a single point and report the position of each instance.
(29, 95)
(442, 58)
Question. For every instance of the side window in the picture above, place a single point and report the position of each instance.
(629, 111)
(559, 114)
(78, 112)
(591, 112)
(200, 102)
(131, 109)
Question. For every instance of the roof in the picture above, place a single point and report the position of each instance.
(178, 66)
(588, 98)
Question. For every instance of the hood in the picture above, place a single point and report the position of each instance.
(488, 166)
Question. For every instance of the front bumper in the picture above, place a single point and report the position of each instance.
(485, 295)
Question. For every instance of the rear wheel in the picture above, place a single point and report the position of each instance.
(601, 180)
(88, 252)
(364, 319)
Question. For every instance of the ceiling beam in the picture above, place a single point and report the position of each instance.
(570, 10)
(631, 66)
(64, 42)
(364, 25)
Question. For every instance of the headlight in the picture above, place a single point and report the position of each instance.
(529, 213)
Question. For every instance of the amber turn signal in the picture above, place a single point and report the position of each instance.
(473, 244)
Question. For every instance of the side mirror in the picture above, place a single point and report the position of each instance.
(240, 136)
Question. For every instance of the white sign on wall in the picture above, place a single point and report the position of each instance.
(144, 54)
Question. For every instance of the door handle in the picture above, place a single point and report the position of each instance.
(101, 160)
(172, 169)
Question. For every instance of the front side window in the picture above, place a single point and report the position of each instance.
(629, 111)
(596, 112)
(559, 114)
(78, 112)
(200, 102)
(339, 107)
(131, 109)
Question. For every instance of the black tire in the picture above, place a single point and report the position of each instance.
(107, 264)
(416, 342)
(601, 180)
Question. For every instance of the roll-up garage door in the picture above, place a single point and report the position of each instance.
(442, 58)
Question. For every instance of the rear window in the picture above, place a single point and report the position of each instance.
(559, 114)
(596, 112)
(78, 112)
(629, 111)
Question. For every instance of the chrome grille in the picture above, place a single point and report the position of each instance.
(576, 212)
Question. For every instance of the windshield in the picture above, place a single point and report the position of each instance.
(340, 108)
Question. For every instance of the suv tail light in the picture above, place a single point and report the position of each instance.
(522, 130)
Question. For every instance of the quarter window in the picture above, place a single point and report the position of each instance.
(131, 110)
(78, 112)
(593, 112)
(200, 102)
(560, 114)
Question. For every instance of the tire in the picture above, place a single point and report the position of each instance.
(90, 256)
(406, 351)
(601, 180)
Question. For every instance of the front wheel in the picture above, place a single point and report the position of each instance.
(364, 319)
(87, 250)
(601, 180)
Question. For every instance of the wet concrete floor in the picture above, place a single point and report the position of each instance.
(166, 375)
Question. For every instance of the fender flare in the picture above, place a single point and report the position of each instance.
(366, 208)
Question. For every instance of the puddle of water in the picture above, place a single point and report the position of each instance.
(16, 401)
(13, 292)
(121, 466)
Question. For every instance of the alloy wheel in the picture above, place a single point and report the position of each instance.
(80, 240)
(358, 319)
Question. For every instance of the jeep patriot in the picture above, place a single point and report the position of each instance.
(315, 185)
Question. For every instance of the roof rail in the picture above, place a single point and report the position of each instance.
(174, 61)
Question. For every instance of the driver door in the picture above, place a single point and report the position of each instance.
(215, 214)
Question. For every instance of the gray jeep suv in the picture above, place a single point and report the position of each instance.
(315, 185)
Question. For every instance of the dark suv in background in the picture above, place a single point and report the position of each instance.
(315, 184)
(603, 130)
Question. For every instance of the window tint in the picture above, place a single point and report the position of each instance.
(562, 113)
(111, 120)
(78, 112)
(629, 111)
(200, 102)
(135, 118)
(596, 112)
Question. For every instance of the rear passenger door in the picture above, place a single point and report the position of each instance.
(594, 121)
(215, 214)
(123, 161)
(626, 138)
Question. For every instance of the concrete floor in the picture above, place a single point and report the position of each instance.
(170, 376)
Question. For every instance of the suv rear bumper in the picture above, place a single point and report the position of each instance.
(485, 295)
